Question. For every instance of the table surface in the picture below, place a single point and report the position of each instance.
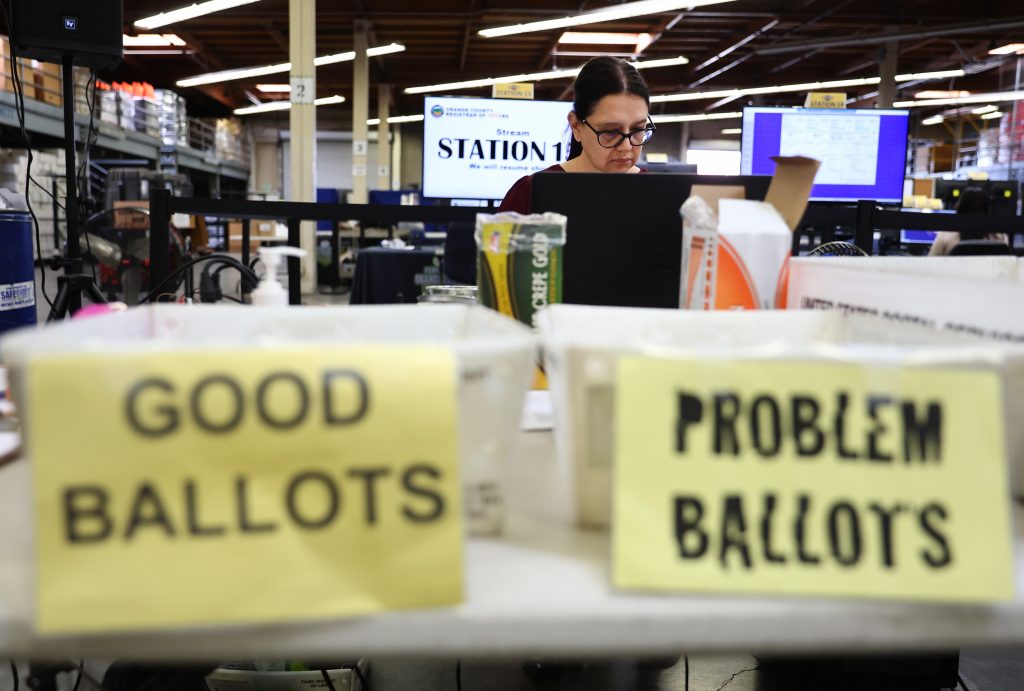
(542, 588)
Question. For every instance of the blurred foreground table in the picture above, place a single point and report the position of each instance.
(541, 589)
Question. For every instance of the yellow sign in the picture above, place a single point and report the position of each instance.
(522, 90)
(810, 479)
(825, 99)
(223, 487)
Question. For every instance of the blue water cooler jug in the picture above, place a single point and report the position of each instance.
(17, 269)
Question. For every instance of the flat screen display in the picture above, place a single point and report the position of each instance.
(476, 148)
(863, 153)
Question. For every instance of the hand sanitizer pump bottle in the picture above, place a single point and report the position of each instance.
(270, 292)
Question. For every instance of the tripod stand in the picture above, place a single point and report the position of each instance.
(75, 282)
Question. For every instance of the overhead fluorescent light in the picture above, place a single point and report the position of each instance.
(1008, 49)
(992, 116)
(607, 14)
(785, 88)
(984, 109)
(350, 55)
(659, 119)
(938, 74)
(941, 93)
(601, 38)
(733, 130)
(934, 120)
(264, 70)
(151, 41)
(808, 86)
(396, 119)
(274, 88)
(535, 76)
(285, 105)
(639, 42)
(978, 98)
(190, 12)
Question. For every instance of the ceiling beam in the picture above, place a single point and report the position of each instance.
(886, 36)
(207, 59)
(870, 59)
(467, 32)
(276, 35)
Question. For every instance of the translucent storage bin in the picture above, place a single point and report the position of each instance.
(494, 358)
(582, 344)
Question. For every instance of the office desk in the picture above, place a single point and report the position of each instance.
(541, 589)
(385, 275)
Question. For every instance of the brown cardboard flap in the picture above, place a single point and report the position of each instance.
(712, 193)
(791, 186)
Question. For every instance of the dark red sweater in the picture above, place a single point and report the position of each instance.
(518, 197)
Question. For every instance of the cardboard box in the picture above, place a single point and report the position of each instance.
(48, 90)
(734, 249)
(126, 216)
(258, 231)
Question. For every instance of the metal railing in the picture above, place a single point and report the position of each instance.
(867, 217)
(162, 205)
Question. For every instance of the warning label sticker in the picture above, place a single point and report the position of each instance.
(17, 295)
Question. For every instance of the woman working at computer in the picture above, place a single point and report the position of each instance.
(610, 123)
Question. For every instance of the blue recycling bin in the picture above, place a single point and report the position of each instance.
(17, 271)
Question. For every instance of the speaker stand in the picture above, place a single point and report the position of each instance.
(75, 282)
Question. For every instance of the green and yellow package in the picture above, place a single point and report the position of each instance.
(519, 271)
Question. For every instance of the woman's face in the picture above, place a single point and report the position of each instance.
(619, 112)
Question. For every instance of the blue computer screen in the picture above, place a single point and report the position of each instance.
(862, 152)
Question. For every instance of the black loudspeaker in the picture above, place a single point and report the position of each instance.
(88, 31)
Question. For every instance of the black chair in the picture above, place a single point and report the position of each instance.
(459, 265)
(974, 248)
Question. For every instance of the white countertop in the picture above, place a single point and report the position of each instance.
(541, 588)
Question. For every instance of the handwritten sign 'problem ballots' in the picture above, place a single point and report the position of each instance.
(811, 479)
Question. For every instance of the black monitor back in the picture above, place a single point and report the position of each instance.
(624, 235)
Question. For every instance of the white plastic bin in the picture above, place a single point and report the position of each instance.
(582, 345)
(494, 357)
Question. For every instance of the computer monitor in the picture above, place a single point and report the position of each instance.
(476, 148)
(624, 235)
(673, 167)
(863, 152)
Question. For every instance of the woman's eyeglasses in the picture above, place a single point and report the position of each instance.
(610, 139)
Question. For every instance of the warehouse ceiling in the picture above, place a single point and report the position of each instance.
(743, 43)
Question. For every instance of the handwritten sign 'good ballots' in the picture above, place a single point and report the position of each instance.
(220, 487)
(811, 479)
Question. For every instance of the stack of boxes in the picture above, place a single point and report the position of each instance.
(172, 118)
(39, 80)
(228, 140)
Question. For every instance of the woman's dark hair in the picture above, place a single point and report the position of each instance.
(600, 77)
(973, 200)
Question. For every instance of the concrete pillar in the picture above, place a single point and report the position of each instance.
(383, 137)
(887, 73)
(302, 121)
(396, 159)
(360, 113)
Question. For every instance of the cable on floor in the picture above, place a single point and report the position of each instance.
(733, 677)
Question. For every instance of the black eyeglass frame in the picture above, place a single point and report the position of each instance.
(650, 129)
